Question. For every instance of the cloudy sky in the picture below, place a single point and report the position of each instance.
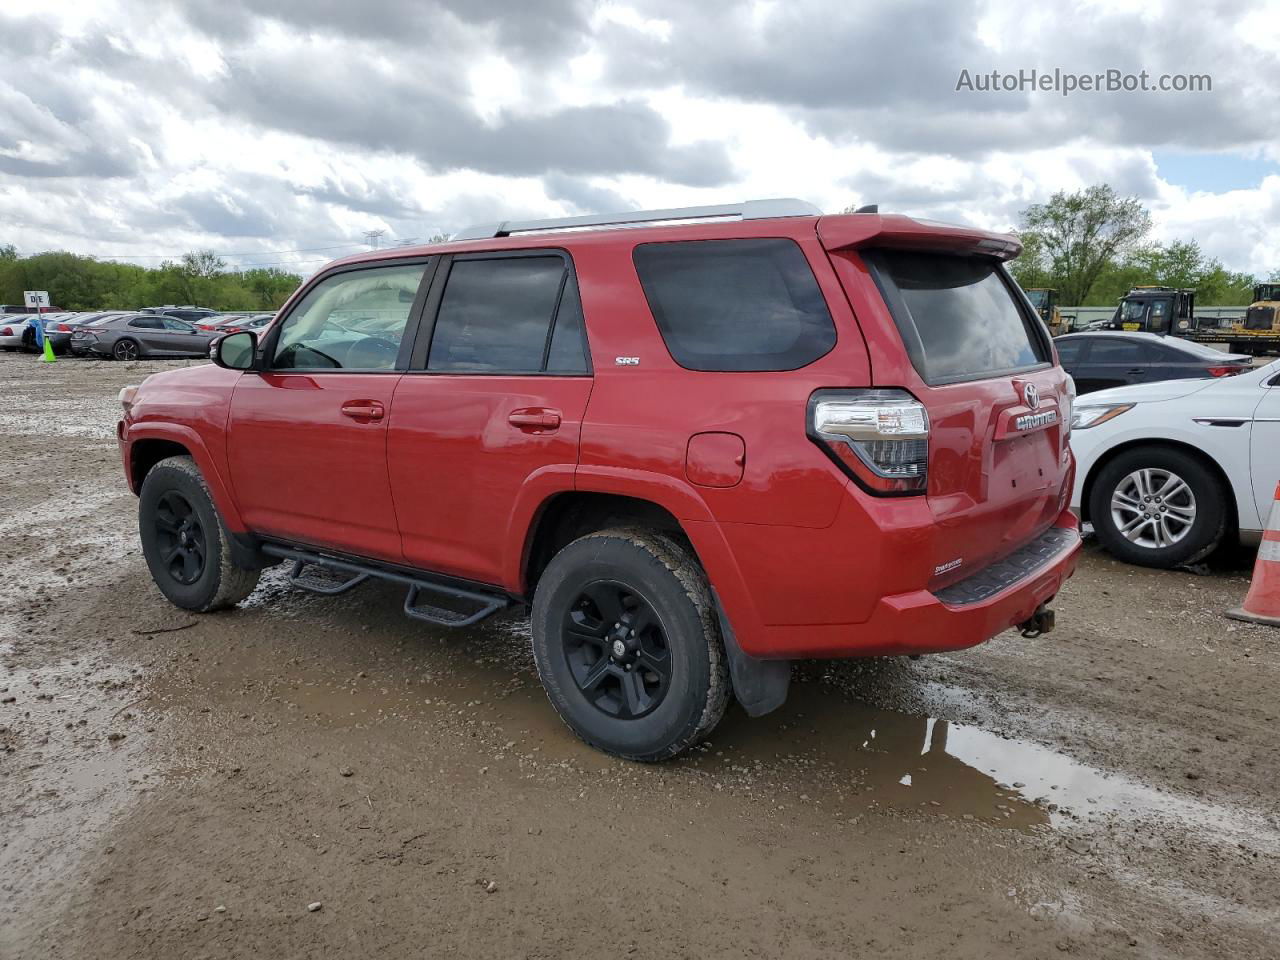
(280, 131)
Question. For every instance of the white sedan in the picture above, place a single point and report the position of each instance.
(1166, 471)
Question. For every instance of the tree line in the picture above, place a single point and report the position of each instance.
(201, 278)
(1093, 247)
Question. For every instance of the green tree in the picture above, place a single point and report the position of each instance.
(1032, 267)
(1083, 233)
(84, 283)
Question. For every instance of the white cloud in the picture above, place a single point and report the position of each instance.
(271, 125)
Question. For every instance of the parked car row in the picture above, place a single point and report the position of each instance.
(127, 334)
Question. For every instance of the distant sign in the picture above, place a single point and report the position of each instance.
(36, 298)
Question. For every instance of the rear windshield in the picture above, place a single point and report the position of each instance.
(957, 315)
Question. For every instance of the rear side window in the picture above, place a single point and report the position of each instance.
(147, 323)
(736, 305)
(958, 316)
(508, 315)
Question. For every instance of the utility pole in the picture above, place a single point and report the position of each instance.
(372, 237)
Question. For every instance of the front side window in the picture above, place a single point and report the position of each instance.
(749, 304)
(350, 321)
(496, 316)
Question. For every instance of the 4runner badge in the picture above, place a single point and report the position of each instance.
(627, 361)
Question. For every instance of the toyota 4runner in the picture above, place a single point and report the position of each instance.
(700, 443)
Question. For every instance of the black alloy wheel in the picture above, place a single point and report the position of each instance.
(616, 650)
(180, 537)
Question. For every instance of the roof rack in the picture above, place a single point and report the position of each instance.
(750, 210)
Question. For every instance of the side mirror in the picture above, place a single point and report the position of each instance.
(235, 351)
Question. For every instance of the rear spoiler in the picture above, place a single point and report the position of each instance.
(856, 230)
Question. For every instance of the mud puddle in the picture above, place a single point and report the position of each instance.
(822, 748)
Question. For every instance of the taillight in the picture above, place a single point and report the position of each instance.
(1226, 371)
(6, 332)
(878, 437)
(63, 328)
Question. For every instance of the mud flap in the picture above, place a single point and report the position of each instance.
(759, 685)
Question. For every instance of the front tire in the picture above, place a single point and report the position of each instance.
(186, 545)
(1158, 507)
(627, 644)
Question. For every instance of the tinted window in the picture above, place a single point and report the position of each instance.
(495, 315)
(1110, 352)
(735, 304)
(1069, 350)
(171, 323)
(957, 315)
(353, 320)
(568, 342)
(147, 323)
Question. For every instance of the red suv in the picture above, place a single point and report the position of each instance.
(699, 443)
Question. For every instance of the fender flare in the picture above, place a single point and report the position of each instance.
(188, 438)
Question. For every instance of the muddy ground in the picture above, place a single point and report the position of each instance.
(183, 786)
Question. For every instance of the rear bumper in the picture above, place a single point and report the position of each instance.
(963, 614)
(974, 610)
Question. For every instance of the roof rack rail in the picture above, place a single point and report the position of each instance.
(750, 210)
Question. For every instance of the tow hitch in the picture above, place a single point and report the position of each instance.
(1040, 622)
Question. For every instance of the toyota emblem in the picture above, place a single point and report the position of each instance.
(1031, 395)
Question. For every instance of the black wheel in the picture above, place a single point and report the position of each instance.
(29, 340)
(1158, 507)
(126, 350)
(184, 541)
(628, 646)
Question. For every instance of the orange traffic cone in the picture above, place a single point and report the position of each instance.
(1262, 603)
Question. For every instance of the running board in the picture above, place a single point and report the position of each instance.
(356, 573)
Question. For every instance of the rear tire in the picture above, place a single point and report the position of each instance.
(185, 542)
(126, 350)
(627, 644)
(1126, 504)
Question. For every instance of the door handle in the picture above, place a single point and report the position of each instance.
(1134, 371)
(366, 410)
(534, 418)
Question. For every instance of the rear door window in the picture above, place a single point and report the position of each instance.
(750, 304)
(506, 315)
(1111, 352)
(958, 316)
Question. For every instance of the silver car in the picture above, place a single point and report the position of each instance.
(137, 336)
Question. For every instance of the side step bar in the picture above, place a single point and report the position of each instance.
(479, 604)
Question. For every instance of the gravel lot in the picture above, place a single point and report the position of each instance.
(180, 786)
